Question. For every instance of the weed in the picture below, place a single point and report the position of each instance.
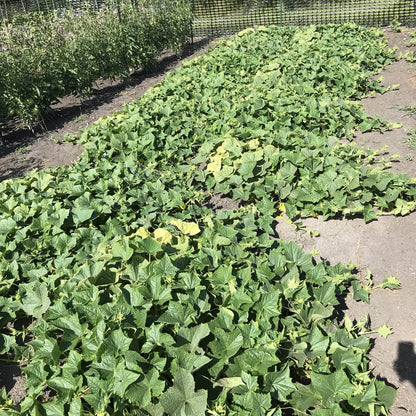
(411, 57)
(396, 25)
(55, 140)
(80, 118)
(410, 109)
(410, 141)
(22, 150)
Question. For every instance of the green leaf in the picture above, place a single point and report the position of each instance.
(256, 403)
(334, 410)
(187, 361)
(366, 126)
(333, 387)
(280, 383)
(6, 342)
(229, 383)
(150, 246)
(194, 335)
(392, 283)
(35, 300)
(318, 341)
(369, 214)
(148, 386)
(269, 305)
(359, 292)
(326, 294)
(36, 373)
(257, 360)
(61, 385)
(75, 407)
(47, 349)
(165, 267)
(123, 378)
(384, 331)
(181, 399)
(385, 394)
(122, 250)
(7, 225)
(363, 400)
(178, 313)
(347, 359)
(117, 342)
(226, 344)
(82, 214)
(53, 408)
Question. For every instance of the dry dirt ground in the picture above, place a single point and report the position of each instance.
(387, 246)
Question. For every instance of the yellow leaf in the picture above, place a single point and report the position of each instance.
(142, 232)
(253, 144)
(220, 150)
(246, 31)
(215, 164)
(162, 235)
(282, 207)
(190, 228)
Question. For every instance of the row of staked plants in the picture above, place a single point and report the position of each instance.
(46, 56)
(124, 293)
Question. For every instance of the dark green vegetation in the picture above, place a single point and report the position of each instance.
(44, 57)
(123, 293)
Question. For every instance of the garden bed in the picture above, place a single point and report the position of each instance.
(385, 245)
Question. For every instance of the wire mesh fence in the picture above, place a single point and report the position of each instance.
(214, 17)
(8, 8)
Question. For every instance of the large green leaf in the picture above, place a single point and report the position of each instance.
(332, 387)
(35, 300)
(181, 399)
(279, 383)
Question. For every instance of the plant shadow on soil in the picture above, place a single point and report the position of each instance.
(405, 365)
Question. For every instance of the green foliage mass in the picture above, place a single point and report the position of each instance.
(44, 57)
(129, 296)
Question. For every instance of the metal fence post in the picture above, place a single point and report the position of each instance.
(191, 21)
(281, 12)
(118, 10)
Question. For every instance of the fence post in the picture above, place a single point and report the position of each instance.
(118, 10)
(281, 12)
(191, 21)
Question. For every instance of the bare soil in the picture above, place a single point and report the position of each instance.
(387, 246)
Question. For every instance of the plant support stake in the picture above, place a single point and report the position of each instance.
(118, 10)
